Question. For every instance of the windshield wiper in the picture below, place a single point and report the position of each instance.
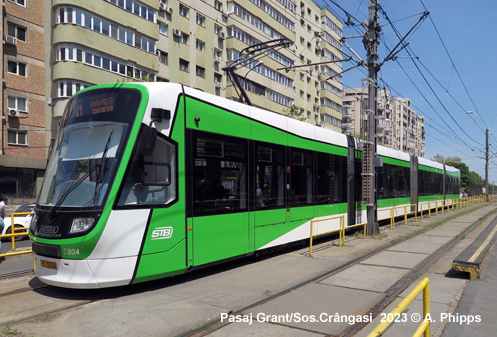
(72, 188)
(103, 166)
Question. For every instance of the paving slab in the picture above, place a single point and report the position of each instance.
(397, 259)
(321, 303)
(436, 239)
(366, 277)
(415, 247)
(262, 330)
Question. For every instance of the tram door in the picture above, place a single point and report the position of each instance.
(283, 183)
(270, 188)
(299, 186)
(219, 205)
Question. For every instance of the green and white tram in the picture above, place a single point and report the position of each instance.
(152, 180)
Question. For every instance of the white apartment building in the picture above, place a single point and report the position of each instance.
(399, 127)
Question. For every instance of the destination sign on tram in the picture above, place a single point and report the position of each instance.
(95, 106)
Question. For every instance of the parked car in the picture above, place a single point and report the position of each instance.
(20, 221)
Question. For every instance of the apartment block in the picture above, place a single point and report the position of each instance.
(190, 41)
(53, 49)
(24, 146)
(398, 125)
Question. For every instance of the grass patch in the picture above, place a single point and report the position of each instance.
(9, 331)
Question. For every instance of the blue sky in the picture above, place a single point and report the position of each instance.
(468, 30)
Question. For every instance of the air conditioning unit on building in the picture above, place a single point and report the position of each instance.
(318, 47)
(169, 10)
(222, 35)
(14, 113)
(317, 106)
(219, 85)
(225, 14)
(318, 90)
(176, 32)
(10, 39)
(217, 59)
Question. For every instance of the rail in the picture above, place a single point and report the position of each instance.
(341, 230)
(406, 213)
(13, 235)
(424, 328)
(443, 204)
(448, 203)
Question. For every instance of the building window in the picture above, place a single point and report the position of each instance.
(183, 11)
(16, 31)
(17, 103)
(200, 45)
(218, 78)
(70, 52)
(200, 20)
(218, 5)
(17, 137)
(69, 88)
(163, 29)
(183, 38)
(217, 53)
(80, 17)
(217, 30)
(136, 8)
(200, 71)
(162, 57)
(19, 2)
(184, 65)
(17, 68)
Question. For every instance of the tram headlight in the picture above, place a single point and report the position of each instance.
(81, 224)
(34, 220)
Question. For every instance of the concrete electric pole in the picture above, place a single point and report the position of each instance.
(370, 145)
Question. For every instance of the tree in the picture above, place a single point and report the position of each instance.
(453, 160)
(295, 113)
(438, 158)
(475, 179)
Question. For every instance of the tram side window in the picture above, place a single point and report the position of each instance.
(270, 177)
(220, 174)
(452, 185)
(331, 179)
(394, 181)
(150, 178)
(430, 183)
(301, 178)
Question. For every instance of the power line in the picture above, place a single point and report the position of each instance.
(450, 58)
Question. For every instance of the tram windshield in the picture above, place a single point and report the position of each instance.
(83, 164)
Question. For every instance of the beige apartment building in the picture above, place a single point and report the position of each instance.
(24, 144)
(399, 127)
(54, 48)
(189, 42)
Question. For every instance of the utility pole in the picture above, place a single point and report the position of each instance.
(370, 146)
(486, 163)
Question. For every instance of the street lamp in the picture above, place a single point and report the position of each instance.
(486, 149)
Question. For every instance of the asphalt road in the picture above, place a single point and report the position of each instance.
(7, 245)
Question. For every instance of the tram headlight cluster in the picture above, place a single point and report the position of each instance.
(34, 220)
(81, 224)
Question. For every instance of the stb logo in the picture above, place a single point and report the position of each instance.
(162, 233)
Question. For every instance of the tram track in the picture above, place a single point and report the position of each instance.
(80, 298)
(392, 293)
